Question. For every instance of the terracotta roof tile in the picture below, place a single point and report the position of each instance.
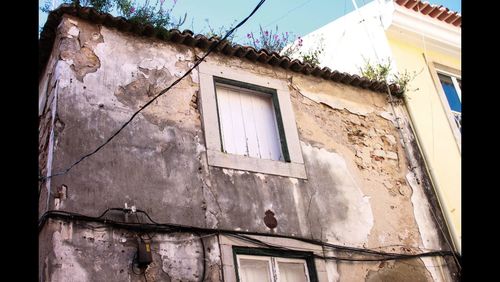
(187, 38)
(438, 12)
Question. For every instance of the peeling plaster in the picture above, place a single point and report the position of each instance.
(337, 103)
(65, 264)
(388, 116)
(349, 197)
(427, 229)
(74, 31)
(299, 208)
(357, 220)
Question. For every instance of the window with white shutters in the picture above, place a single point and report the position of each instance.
(248, 122)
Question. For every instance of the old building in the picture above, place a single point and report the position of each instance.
(251, 168)
(423, 39)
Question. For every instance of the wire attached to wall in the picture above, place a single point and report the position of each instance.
(199, 61)
(174, 228)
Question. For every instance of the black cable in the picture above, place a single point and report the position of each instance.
(199, 61)
(391, 257)
(170, 228)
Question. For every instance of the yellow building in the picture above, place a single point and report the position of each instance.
(427, 39)
(416, 37)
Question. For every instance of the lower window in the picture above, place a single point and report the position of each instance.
(274, 265)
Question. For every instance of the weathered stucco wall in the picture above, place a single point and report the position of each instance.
(355, 194)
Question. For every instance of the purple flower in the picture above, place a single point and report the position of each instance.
(257, 41)
(175, 1)
(132, 10)
(276, 37)
(249, 35)
(161, 2)
(286, 33)
(266, 33)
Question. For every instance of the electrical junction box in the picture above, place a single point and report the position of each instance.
(144, 256)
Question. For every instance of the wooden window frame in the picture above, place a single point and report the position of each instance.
(293, 166)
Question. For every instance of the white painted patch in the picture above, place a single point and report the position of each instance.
(74, 31)
(331, 268)
(260, 176)
(294, 181)
(427, 228)
(194, 74)
(299, 208)
(388, 116)
(392, 155)
(68, 268)
(391, 139)
(355, 228)
(379, 153)
(62, 73)
(179, 259)
(152, 64)
(229, 172)
(338, 103)
(200, 148)
(180, 57)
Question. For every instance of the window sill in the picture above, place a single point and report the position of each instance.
(220, 159)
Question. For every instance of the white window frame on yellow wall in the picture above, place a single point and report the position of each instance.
(290, 163)
(454, 78)
(454, 74)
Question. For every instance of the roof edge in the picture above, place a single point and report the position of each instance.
(187, 37)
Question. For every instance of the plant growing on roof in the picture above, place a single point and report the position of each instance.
(286, 44)
(270, 40)
(381, 72)
(311, 56)
(220, 32)
(147, 13)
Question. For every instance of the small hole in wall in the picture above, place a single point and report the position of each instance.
(84, 87)
(101, 106)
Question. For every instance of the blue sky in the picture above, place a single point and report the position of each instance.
(297, 16)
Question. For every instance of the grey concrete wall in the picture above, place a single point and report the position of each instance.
(356, 194)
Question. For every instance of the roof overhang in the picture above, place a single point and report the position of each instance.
(415, 27)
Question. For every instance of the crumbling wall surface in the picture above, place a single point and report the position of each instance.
(355, 194)
(80, 253)
(365, 134)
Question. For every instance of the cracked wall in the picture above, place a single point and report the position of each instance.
(356, 193)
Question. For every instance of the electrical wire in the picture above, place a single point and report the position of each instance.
(243, 235)
(199, 61)
(287, 13)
